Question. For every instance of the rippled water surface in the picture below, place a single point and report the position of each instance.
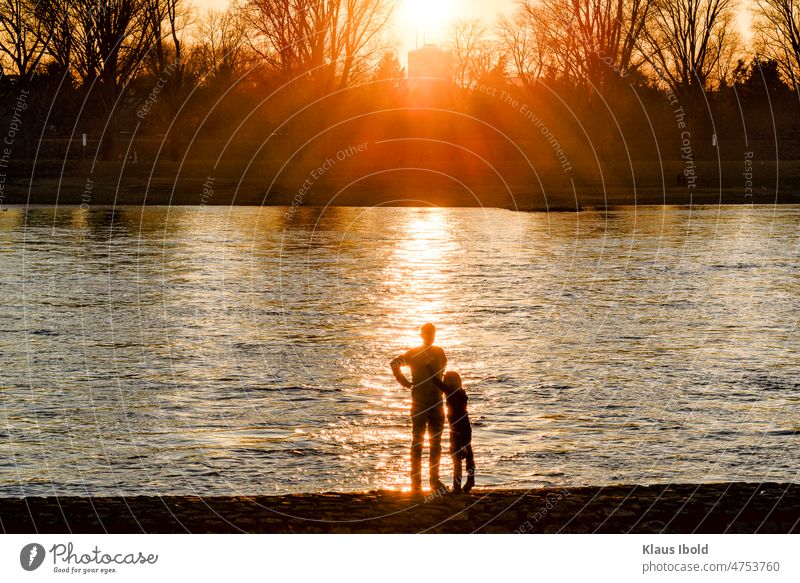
(245, 350)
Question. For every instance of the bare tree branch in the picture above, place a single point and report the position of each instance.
(688, 39)
(777, 25)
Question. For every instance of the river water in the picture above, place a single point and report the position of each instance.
(245, 350)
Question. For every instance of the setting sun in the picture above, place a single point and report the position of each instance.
(427, 19)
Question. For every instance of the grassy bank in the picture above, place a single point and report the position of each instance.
(678, 508)
(352, 183)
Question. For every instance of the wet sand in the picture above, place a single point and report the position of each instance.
(681, 508)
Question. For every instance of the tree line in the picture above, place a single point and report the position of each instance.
(686, 46)
(109, 66)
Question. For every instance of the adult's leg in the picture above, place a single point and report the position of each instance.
(435, 428)
(418, 422)
(470, 469)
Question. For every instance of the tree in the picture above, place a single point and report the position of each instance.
(777, 25)
(762, 77)
(329, 42)
(25, 32)
(220, 48)
(364, 21)
(58, 18)
(389, 68)
(593, 42)
(522, 41)
(111, 39)
(23, 36)
(167, 60)
(690, 40)
(472, 51)
(388, 87)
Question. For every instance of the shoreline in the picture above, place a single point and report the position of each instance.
(108, 188)
(556, 205)
(732, 507)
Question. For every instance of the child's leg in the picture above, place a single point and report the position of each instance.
(456, 473)
(470, 469)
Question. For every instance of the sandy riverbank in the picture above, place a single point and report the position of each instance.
(682, 508)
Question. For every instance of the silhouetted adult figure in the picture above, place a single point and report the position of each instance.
(427, 410)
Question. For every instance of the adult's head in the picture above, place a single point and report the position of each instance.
(428, 333)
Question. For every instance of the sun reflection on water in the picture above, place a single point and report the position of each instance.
(418, 274)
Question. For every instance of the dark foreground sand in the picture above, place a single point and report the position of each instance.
(682, 508)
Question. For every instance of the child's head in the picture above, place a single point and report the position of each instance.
(452, 379)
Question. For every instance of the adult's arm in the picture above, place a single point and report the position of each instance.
(397, 371)
(436, 380)
(440, 384)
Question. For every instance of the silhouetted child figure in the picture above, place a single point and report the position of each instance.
(460, 428)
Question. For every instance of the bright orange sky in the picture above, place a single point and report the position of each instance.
(427, 20)
(419, 20)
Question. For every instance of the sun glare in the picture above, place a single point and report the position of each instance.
(428, 19)
(417, 274)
